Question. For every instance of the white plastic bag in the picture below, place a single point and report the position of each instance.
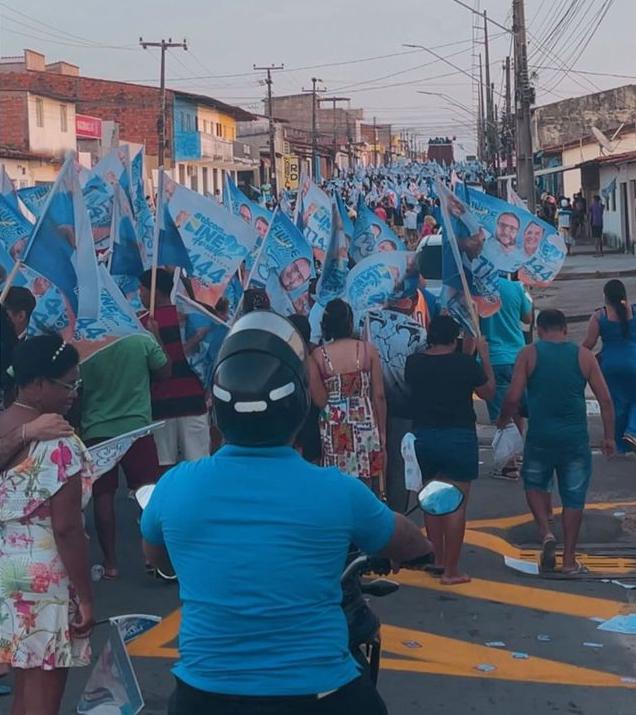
(506, 445)
(412, 472)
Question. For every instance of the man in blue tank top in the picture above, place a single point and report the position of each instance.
(553, 373)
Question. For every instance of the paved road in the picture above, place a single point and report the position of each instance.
(435, 637)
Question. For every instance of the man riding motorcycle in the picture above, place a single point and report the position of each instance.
(258, 538)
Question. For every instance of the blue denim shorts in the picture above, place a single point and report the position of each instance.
(573, 469)
(451, 452)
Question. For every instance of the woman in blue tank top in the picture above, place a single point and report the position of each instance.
(615, 325)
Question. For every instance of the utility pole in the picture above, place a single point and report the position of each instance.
(314, 128)
(161, 124)
(482, 114)
(524, 98)
(334, 101)
(273, 178)
(507, 120)
(375, 143)
(490, 149)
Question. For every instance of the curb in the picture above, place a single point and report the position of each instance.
(587, 275)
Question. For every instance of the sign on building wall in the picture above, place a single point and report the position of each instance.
(88, 127)
(291, 171)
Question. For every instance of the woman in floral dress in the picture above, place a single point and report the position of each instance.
(46, 607)
(353, 422)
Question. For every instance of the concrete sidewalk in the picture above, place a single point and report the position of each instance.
(586, 265)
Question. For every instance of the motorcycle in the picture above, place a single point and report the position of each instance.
(365, 642)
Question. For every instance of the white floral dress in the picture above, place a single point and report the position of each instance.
(37, 600)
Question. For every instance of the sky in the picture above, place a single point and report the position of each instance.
(356, 47)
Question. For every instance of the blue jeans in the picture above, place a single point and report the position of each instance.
(573, 467)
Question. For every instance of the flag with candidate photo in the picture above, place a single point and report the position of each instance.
(144, 217)
(284, 267)
(34, 197)
(518, 240)
(313, 216)
(333, 278)
(126, 251)
(372, 235)
(15, 230)
(7, 189)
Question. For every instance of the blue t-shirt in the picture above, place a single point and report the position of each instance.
(503, 329)
(258, 538)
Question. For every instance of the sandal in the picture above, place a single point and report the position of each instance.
(508, 474)
(434, 570)
(578, 569)
(547, 560)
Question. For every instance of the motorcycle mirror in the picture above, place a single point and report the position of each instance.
(143, 494)
(440, 498)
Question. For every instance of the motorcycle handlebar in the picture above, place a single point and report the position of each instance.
(382, 566)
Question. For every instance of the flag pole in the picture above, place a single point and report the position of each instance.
(155, 244)
(9, 282)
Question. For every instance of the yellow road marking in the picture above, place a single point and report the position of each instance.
(448, 656)
(497, 544)
(540, 599)
(508, 522)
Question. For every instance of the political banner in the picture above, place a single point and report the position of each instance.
(61, 245)
(284, 267)
(258, 217)
(98, 196)
(313, 216)
(144, 217)
(201, 335)
(371, 235)
(335, 269)
(518, 238)
(7, 189)
(469, 280)
(112, 686)
(201, 236)
(7, 264)
(347, 223)
(379, 279)
(133, 625)
(125, 258)
(107, 454)
(15, 230)
(115, 169)
(395, 336)
(233, 294)
(34, 197)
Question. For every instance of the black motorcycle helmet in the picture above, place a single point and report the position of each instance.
(260, 384)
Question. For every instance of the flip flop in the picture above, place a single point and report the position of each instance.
(434, 570)
(576, 571)
(547, 560)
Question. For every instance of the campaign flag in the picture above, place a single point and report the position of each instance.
(15, 230)
(133, 625)
(115, 169)
(144, 217)
(34, 197)
(335, 269)
(109, 453)
(518, 240)
(284, 267)
(201, 335)
(371, 235)
(233, 294)
(7, 189)
(395, 336)
(255, 215)
(98, 196)
(380, 278)
(61, 246)
(514, 198)
(125, 258)
(202, 237)
(112, 686)
(347, 223)
(313, 216)
(470, 282)
(7, 264)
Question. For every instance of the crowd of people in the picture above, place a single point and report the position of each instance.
(574, 219)
(258, 460)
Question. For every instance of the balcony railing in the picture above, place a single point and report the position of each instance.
(216, 148)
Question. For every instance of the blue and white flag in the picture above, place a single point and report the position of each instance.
(7, 189)
(313, 216)
(379, 279)
(126, 252)
(98, 196)
(255, 215)
(201, 335)
(15, 230)
(7, 264)
(202, 237)
(284, 267)
(371, 235)
(144, 217)
(347, 223)
(517, 238)
(335, 269)
(115, 169)
(34, 197)
(61, 246)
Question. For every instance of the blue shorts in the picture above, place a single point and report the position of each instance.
(573, 469)
(451, 452)
(503, 378)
